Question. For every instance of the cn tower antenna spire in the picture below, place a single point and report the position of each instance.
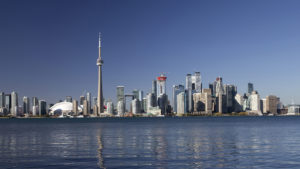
(99, 39)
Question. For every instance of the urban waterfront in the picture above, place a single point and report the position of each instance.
(178, 142)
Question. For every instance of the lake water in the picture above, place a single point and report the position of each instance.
(194, 142)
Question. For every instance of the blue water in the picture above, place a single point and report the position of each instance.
(196, 142)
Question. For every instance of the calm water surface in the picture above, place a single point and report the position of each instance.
(198, 142)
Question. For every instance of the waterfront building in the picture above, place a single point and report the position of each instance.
(85, 108)
(255, 103)
(211, 87)
(89, 100)
(95, 110)
(42, 108)
(196, 82)
(81, 100)
(293, 109)
(35, 101)
(230, 91)
(181, 104)
(94, 101)
(176, 90)
(239, 102)
(120, 94)
(69, 99)
(14, 103)
(65, 108)
(161, 84)
(271, 104)
(263, 104)
(110, 108)
(26, 105)
(151, 101)
(75, 107)
(2, 99)
(189, 94)
(203, 103)
(135, 105)
(250, 88)
(154, 92)
(163, 103)
(144, 109)
(121, 108)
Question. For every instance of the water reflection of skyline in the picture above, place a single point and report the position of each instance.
(158, 145)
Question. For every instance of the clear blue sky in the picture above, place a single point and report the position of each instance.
(48, 48)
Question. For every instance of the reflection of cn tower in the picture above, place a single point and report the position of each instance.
(100, 149)
(161, 84)
(100, 92)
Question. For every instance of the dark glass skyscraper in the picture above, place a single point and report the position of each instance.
(250, 88)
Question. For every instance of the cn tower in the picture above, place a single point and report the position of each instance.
(100, 92)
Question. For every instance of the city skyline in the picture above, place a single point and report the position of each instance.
(52, 62)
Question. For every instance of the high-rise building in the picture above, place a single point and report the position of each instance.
(180, 105)
(135, 104)
(100, 92)
(42, 107)
(239, 102)
(95, 101)
(26, 105)
(203, 103)
(154, 91)
(35, 101)
(81, 100)
(121, 108)
(110, 108)
(75, 107)
(250, 88)
(219, 86)
(14, 103)
(230, 91)
(196, 82)
(163, 103)
(161, 84)
(8, 102)
(144, 109)
(89, 100)
(69, 99)
(176, 90)
(135, 94)
(120, 93)
(255, 103)
(85, 108)
(189, 94)
(2, 100)
(271, 104)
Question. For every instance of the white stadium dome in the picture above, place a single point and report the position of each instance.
(63, 107)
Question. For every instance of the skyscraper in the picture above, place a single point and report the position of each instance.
(271, 104)
(14, 103)
(154, 91)
(2, 100)
(189, 94)
(180, 105)
(85, 108)
(82, 98)
(75, 107)
(250, 88)
(120, 93)
(121, 108)
(176, 90)
(100, 94)
(42, 107)
(161, 84)
(110, 108)
(8, 102)
(196, 82)
(89, 100)
(26, 105)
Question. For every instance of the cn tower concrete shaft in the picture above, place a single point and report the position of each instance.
(100, 92)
